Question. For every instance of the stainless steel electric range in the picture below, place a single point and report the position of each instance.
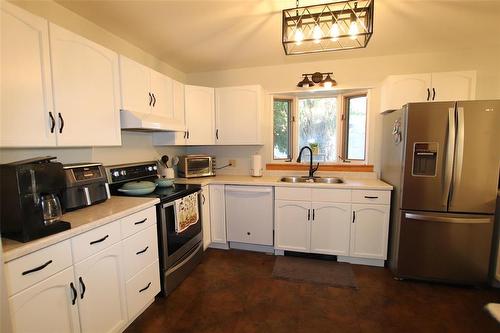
(179, 252)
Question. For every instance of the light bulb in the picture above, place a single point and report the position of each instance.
(317, 34)
(353, 29)
(299, 36)
(335, 32)
(327, 84)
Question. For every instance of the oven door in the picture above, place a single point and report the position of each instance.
(173, 246)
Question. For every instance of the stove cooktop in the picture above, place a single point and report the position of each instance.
(167, 194)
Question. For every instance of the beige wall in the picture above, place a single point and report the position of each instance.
(351, 73)
(135, 146)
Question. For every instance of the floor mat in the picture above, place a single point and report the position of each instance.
(327, 272)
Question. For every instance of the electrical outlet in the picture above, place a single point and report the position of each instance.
(232, 162)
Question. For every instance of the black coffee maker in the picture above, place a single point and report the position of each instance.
(29, 198)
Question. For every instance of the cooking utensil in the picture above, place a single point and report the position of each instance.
(164, 182)
(164, 160)
(137, 188)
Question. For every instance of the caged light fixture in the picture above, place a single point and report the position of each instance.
(323, 79)
(328, 27)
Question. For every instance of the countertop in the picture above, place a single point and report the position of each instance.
(81, 221)
(349, 183)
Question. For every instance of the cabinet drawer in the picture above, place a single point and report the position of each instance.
(93, 241)
(331, 195)
(138, 221)
(37, 266)
(292, 193)
(139, 251)
(372, 197)
(142, 288)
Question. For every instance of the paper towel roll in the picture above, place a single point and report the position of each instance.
(256, 169)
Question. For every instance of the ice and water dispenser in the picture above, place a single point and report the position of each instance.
(425, 156)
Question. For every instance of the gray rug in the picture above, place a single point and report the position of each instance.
(327, 272)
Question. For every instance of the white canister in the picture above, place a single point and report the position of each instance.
(256, 170)
(169, 173)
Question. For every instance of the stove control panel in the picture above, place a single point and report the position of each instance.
(128, 172)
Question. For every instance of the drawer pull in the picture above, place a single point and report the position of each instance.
(141, 222)
(145, 288)
(99, 240)
(370, 197)
(142, 251)
(36, 269)
(83, 287)
(353, 216)
(75, 294)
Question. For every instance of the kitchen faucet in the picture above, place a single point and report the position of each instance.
(311, 169)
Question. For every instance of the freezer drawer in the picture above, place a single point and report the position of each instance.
(445, 247)
(249, 214)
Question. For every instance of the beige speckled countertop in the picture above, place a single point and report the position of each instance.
(358, 184)
(81, 221)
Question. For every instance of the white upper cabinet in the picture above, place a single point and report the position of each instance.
(454, 86)
(238, 115)
(397, 90)
(162, 91)
(27, 115)
(178, 102)
(135, 86)
(86, 90)
(199, 110)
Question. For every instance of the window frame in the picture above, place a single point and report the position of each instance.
(341, 124)
(291, 120)
(345, 122)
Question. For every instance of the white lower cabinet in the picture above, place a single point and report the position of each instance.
(101, 288)
(217, 215)
(369, 231)
(330, 228)
(205, 215)
(47, 306)
(291, 225)
(101, 291)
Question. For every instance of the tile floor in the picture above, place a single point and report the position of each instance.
(233, 291)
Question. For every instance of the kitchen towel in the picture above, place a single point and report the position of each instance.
(186, 212)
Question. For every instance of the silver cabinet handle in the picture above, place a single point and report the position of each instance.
(445, 219)
(87, 196)
(108, 194)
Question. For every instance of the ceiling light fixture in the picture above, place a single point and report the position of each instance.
(317, 78)
(349, 23)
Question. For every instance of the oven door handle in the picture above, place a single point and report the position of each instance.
(171, 203)
(191, 255)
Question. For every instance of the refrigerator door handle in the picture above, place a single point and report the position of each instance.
(459, 151)
(445, 219)
(450, 151)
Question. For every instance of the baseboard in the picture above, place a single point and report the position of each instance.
(252, 247)
(279, 252)
(220, 246)
(362, 261)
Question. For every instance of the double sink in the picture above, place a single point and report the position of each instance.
(306, 179)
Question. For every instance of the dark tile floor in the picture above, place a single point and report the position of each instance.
(233, 291)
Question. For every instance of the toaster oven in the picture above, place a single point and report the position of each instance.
(191, 166)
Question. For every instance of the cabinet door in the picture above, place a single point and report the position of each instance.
(330, 228)
(205, 215)
(26, 87)
(86, 90)
(199, 103)
(162, 90)
(369, 231)
(101, 289)
(46, 306)
(135, 86)
(454, 86)
(178, 104)
(398, 90)
(292, 225)
(217, 214)
(238, 115)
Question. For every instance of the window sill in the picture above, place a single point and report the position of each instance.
(322, 167)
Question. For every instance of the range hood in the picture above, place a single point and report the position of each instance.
(148, 122)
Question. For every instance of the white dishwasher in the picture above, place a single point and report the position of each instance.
(249, 214)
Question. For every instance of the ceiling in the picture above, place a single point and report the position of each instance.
(198, 36)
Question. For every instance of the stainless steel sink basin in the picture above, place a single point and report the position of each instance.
(328, 180)
(305, 179)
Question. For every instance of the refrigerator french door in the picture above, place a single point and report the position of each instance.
(443, 159)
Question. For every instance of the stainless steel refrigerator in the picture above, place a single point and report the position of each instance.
(443, 160)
